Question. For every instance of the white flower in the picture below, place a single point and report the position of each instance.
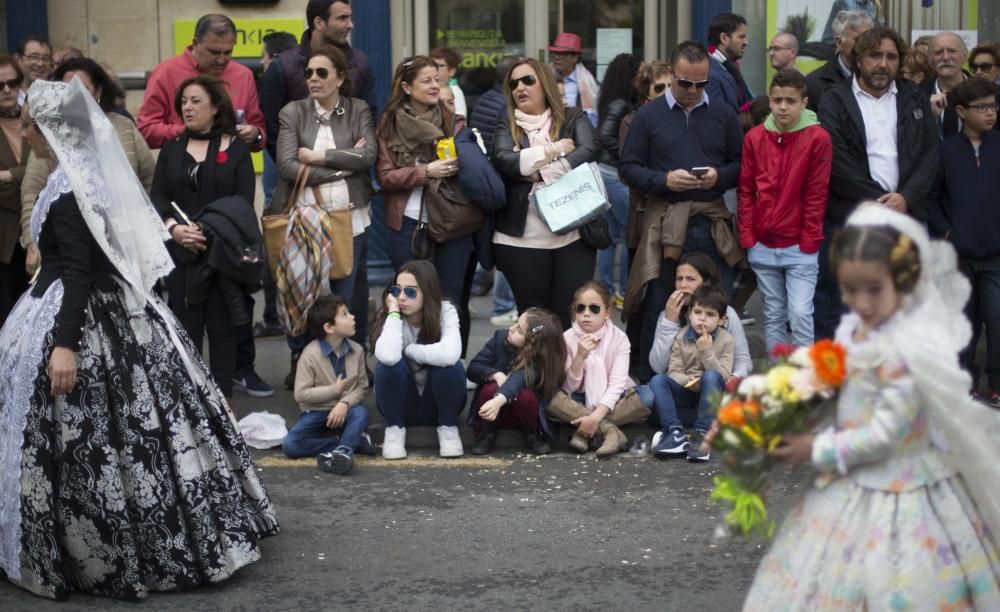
(804, 381)
(753, 387)
(800, 358)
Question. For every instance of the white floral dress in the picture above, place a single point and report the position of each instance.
(890, 524)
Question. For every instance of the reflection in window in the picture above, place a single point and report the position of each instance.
(583, 17)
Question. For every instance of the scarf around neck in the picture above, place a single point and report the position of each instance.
(595, 372)
(415, 135)
(538, 129)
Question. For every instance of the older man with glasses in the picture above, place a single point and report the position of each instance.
(783, 51)
(682, 152)
(34, 55)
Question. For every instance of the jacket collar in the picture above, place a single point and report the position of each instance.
(327, 348)
(691, 336)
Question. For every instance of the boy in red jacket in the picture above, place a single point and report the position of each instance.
(783, 189)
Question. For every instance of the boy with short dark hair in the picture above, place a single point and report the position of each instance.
(701, 360)
(783, 190)
(970, 182)
(330, 383)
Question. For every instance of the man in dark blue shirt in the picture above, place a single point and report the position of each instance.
(682, 152)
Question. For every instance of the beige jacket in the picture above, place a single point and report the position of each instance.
(37, 172)
(688, 361)
(315, 378)
(10, 203)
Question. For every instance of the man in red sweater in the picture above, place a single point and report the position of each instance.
(783, 189)
(210, 53)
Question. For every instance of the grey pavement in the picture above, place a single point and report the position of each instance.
(554, 533)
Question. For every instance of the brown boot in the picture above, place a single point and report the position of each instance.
(614, 440)
(628, 410)
(563, 408)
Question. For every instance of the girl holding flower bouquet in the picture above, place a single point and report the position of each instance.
(907, 490)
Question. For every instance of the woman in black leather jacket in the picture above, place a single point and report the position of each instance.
(617, 99)
(544, 269)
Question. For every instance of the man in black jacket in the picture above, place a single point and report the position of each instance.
(885, 148)
(948, 55)
(847, 26)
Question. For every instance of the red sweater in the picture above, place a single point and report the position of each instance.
(784, 185)
(158, 122)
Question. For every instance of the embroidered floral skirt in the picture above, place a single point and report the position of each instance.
(847, 547)
(137, 480)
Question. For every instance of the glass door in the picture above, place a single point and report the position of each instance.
(606, 27)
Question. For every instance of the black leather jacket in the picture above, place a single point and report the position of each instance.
(608, 129)
(510, 220)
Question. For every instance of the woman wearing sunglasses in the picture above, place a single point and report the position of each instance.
(617, 99)
(415, 119)
(534, 145)
(333, 134)
(419, 376)
(14, 151)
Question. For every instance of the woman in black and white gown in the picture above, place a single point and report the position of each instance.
(121, 468)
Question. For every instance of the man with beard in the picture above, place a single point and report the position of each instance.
(885, 148)
(947, 55)
(727, 41)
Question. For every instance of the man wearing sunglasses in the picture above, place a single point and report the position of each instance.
(210, 52)
(682, 152)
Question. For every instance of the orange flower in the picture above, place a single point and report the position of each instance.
(828, 358)
(736, 413)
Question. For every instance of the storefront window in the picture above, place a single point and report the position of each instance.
(584, 17)
(482, 33)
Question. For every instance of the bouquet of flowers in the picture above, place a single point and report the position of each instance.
(754, 414)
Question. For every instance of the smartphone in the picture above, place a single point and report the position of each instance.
(700, 171)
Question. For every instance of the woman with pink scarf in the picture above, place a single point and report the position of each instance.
(597, 396)
(538, 142)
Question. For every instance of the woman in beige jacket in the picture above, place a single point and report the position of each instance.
(14, 151)
(40, 164)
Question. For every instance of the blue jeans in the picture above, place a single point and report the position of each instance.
(982, 310)
(503, 296)
(450, 258)
(401, 404)
(269, 178)
(344, 287)
(307, 439)
(617, 218)
(698, 238)
(786, 279)
(672, 401)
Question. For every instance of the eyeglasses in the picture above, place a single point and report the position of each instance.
(687, 84)
(594, 308)
(322, 73)
(12, 84)
(410, 292)
(659, 87)
(527, 79)
(776, 49)
(983, 108)
(985, 67)
(37, 57)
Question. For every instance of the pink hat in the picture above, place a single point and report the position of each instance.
(566, 43)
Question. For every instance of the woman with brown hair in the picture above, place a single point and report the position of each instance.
(334, 136)
(415, 119)
(537, 143)
(194, 171)
(14, 151)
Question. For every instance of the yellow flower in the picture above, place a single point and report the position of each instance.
(779, 383)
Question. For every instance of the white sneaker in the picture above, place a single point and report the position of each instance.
(394, 443)
(656, 439)
(449, 441)
(504, 319)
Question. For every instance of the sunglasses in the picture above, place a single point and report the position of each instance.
(12, 84)
(686, 84)
(985, 67)
(659, 87)
(410, 292)
(322, 73)
(594, 308)
(527, 79)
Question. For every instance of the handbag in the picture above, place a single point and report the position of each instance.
(577, 198)
(596, 234)
(337, 228)
(421, 243)
(450, 214)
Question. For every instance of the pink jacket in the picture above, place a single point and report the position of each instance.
(158, 122)
(605, 372)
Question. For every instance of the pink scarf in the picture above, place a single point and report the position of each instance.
(603, 383)
(533, 159)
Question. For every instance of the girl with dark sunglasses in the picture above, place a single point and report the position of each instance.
(419, 376)
(598, 396)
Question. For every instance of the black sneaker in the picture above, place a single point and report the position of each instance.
(746, 318)
(673, 443)
(254, 385)
(694, 451)
(267, 330)
(365, 446)
(338, 461)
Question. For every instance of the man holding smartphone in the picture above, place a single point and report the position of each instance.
(682, 152)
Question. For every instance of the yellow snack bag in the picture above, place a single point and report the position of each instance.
(446, 148)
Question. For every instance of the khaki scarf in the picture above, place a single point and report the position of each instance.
(416, 135)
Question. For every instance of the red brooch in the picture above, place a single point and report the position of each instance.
(221, 157)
